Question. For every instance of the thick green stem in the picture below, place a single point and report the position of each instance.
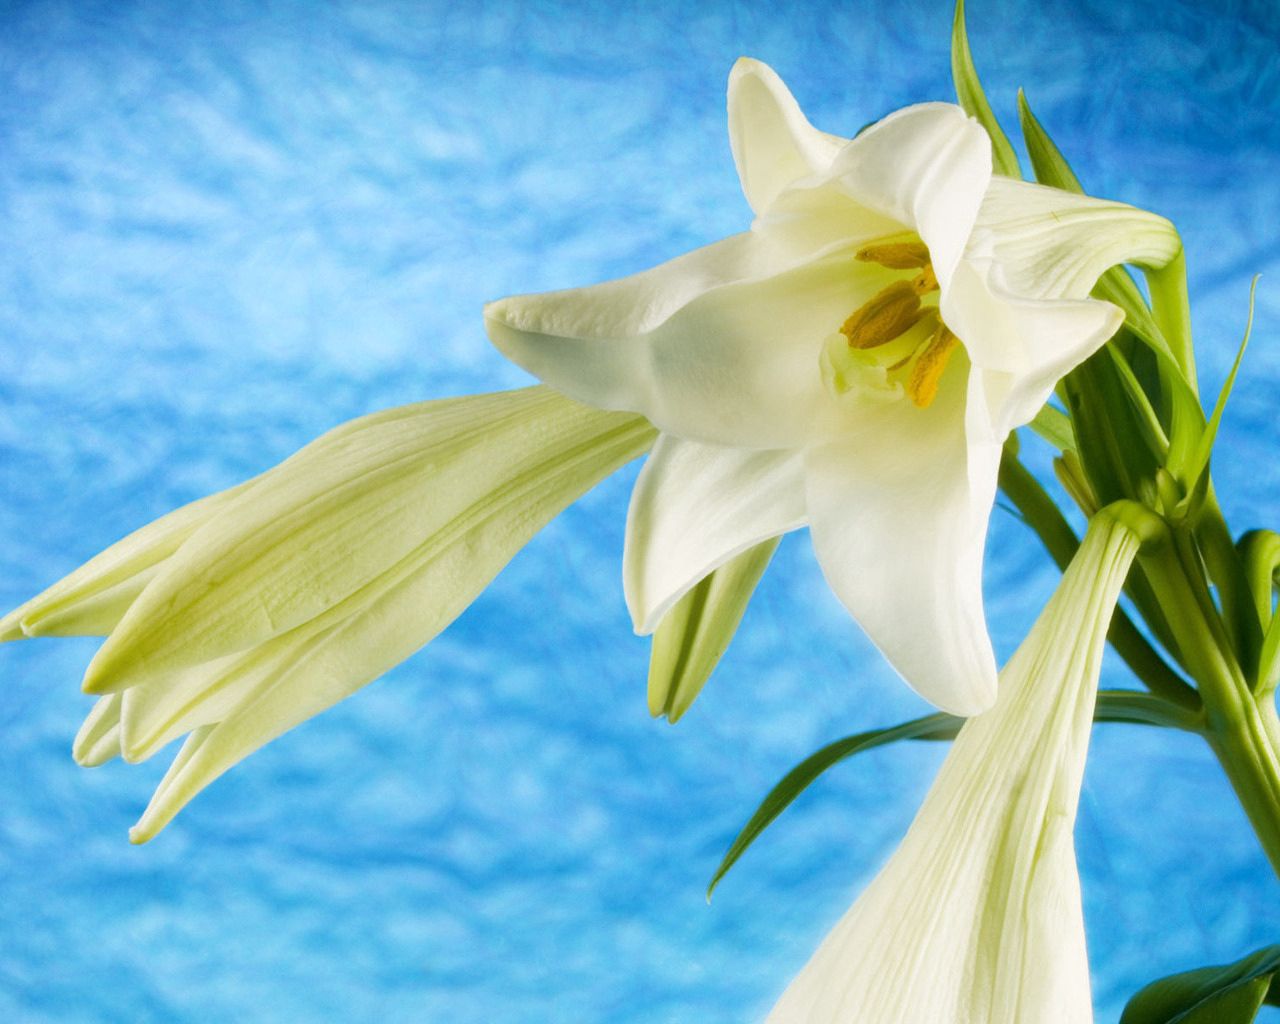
(1247, 744)
(1240, 727)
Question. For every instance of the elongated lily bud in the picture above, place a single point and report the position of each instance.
(977, 915)
(255, 609)
(471, 481)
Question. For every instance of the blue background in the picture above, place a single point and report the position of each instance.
(227, 227)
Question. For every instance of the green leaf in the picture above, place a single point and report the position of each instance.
(1054, 426)
(932, 727)
(1230, 994)
(1260, 556)
(1199, 461)
(1269, 658)
(1113, 706)
(694, 634)
(1171, 310)
(974, 101)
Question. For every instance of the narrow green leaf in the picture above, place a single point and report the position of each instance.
(1200, 460)
(1153, 435)
(932, 727)
(971, 97)
(1229, 994)
(1137, 708)
(1171, 310)
(1260, 555)
(1047, 162)
(1054, 426)
(1113, 706)
(696, 632)
(1269, 658)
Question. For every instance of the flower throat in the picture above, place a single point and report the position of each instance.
(893, 341)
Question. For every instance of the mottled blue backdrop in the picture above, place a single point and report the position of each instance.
(228, 226)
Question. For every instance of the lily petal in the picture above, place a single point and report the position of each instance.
(898, 511)
(927, 167)
(773, 143)
(713, 346)
(977, 915)
(694, 508)
(1045, 243)
(1052, 338)
(525, 480)
(1019, 300)
(98, 740)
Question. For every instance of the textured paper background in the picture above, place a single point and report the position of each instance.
(229, 226)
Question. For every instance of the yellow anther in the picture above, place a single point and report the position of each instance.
(889, 313)
(922, 386)
(926, 281)
(896, 255)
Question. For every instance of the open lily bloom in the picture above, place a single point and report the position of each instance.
(853, 362)
(240, 615)
(977, 916)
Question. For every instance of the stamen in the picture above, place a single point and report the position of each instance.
(892, 311)
(895, 255)
(922, 386)
(926, 281)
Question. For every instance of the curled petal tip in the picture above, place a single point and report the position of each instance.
(748, 66)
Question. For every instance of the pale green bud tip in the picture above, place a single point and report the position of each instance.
(98, 740)
(106, 673)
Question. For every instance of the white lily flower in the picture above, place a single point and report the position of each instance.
(976, 918)
(241, 615)
(853, 362)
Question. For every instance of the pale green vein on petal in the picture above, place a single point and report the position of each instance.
(695, 633)
(91, 600)
(527, 475)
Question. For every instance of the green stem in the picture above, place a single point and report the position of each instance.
(1241, 729)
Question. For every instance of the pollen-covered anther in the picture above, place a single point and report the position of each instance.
(922, 385)
(888, 314)
(926, 281)
(896, 255)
